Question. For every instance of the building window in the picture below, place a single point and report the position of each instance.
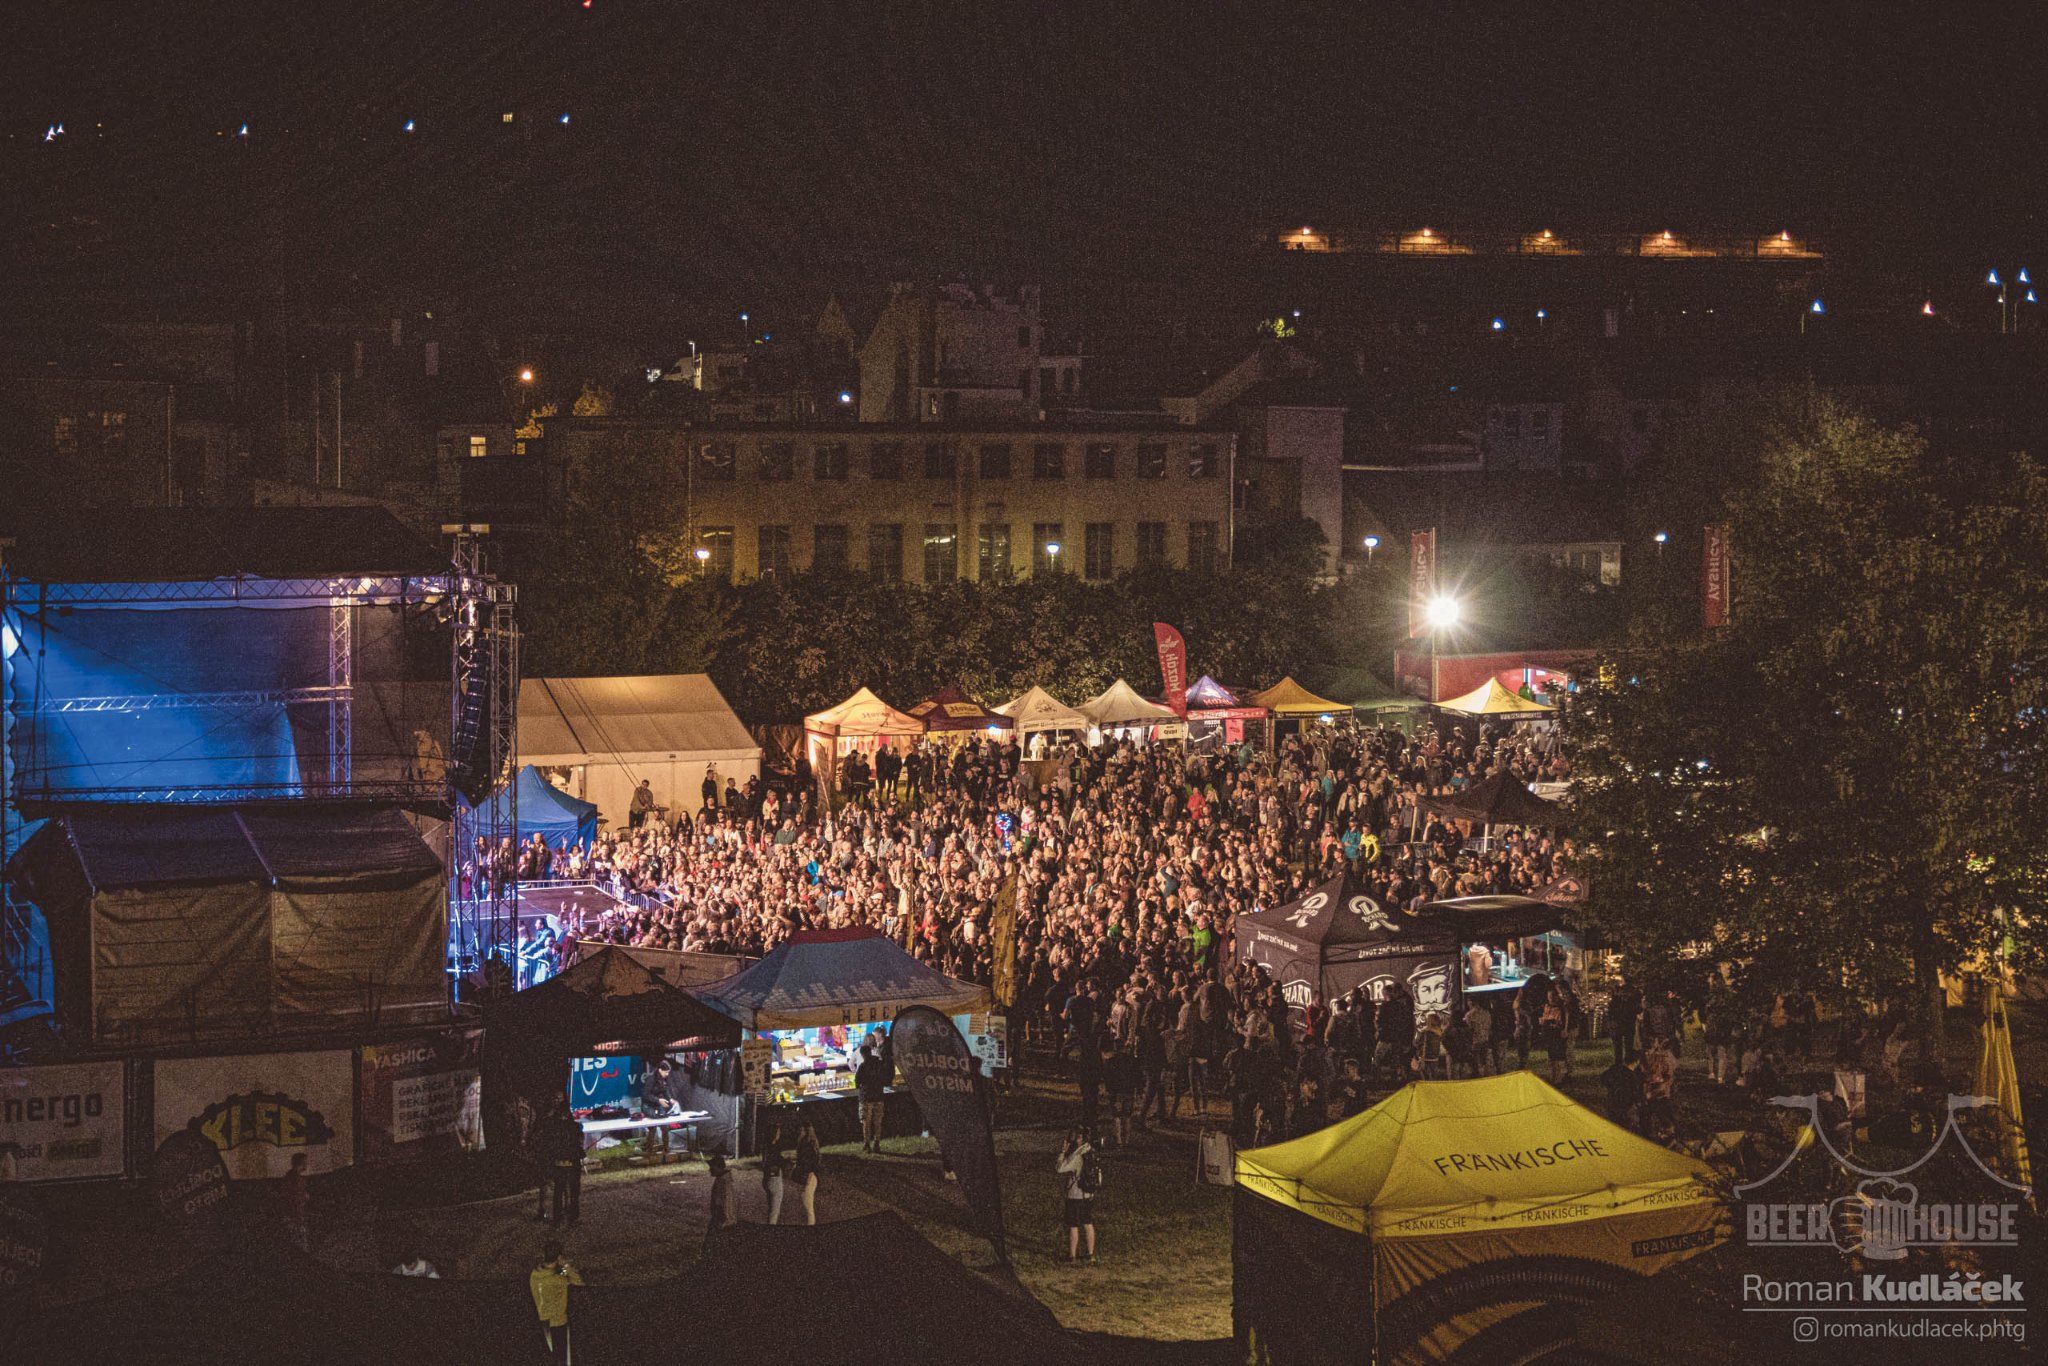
(1047, 378)
(885, 460)
(64, 435)
(1044, 536)
(1152, 460)
(1151, 544)
(939, 461)
(778, 462)
(1100, 561)
(829, 461)
(1048, 460)
(479, 446)
(1024, 338)
(114, 433)
(1539, 423)
(774, 546)
(716, 463)
(717, 540)
(995, 552)
(1202, 542)
(995, 460)
(1205, 461)
(885, 551)
(941, 558)
(1102, 460)
(828, 548)
(1511, 422)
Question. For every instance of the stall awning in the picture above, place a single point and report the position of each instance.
(1289, 698)
(860, 715)
(831, 977)
(1037, 710)
(1491, 699)
(951, 709)
(1120, 705)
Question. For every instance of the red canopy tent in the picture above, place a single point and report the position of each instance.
(951, 709)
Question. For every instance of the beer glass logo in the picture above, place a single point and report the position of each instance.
(1876, 1220)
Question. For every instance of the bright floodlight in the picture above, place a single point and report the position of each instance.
(1443, 612)
(702, 553)
(526, 375)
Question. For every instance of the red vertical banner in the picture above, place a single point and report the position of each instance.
(1715, 577)
(1421, 580)
(1173, 666)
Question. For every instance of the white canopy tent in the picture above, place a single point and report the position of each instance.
(611, 733)
(1038, 710)
(1119, 705)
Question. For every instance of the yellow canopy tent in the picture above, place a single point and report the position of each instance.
(1462, 1210)
(1491, 699)
(1289, 698)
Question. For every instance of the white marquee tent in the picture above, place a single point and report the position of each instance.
(1038, 710)
(610, 733)
(1119, 705)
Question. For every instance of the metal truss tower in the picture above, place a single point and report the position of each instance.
(483, 752)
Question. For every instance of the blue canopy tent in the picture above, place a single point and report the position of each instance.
(547, 811)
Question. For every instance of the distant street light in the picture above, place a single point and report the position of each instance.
(1372, 543)
(526, 374)
(2008, 307)
(1442, 614)
(1052, 555)
(703, 554)
(1660, 538)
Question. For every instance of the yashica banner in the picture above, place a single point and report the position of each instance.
(1173, 666)
(1715, 578)
(263, 1109)
(64, 1121)
(423, 1097)
(1421, 580)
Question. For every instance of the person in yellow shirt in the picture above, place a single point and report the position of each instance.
(550, 1282)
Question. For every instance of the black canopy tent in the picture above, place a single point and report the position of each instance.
(1497, 799)
(607, 1002)
(1338, 937)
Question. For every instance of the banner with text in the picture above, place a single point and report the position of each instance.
(1421, 580)
(952, 1094)
(1173, 666)
(64, 1121)
(423, 1097)
(262, 1109)
(1003, 933)
(1715, 577)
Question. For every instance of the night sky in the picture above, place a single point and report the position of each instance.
(711, 146)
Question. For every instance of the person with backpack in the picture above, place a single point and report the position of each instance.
(1083, 1170)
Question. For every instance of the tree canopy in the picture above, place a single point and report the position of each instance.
(1842, 790)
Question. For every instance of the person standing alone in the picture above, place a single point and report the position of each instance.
(809, 1162)
(1078, 1163)
(550, 1282)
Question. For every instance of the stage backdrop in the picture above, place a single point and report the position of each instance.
(66, 1121)
(261, 1109)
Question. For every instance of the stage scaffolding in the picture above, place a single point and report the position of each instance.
(477, 610)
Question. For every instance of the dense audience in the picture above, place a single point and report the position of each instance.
(1132, 862)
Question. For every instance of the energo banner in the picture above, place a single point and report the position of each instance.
(423, 1096)
(261, 1109)
(64, 1122)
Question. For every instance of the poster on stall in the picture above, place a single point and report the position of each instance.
(64, 1122)
(987, 1038)
(756, 1056)
(262, 1109)
(422, 1097)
